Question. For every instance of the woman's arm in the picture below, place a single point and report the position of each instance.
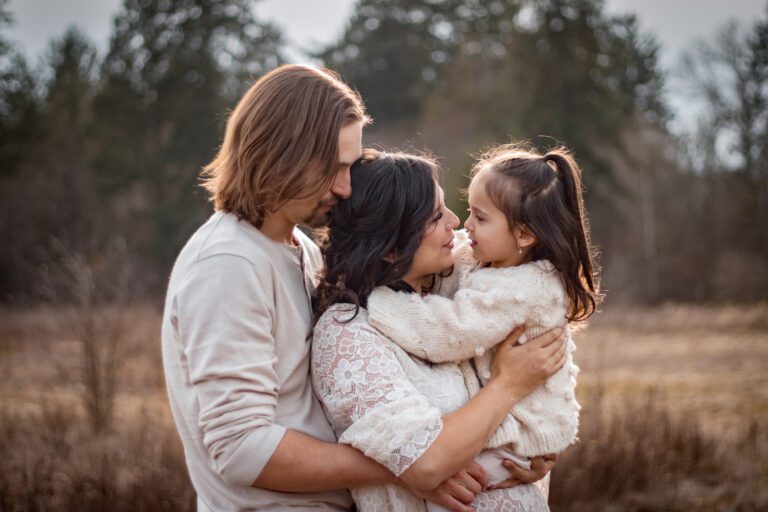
(517, 370)
(547, 419)
(368, 395)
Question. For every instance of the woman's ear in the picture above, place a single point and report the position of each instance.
(525, 239)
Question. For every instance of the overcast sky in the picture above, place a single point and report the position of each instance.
(678, 24)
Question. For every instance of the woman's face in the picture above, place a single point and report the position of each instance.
(434, 253)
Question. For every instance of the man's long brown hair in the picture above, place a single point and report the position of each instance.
(288, 121)
(543, 194)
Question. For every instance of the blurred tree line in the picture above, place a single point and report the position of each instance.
(104, 150)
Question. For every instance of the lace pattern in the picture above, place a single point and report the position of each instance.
(389, 405)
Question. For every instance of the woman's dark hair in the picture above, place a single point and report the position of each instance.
(372, 237)
(543, 195)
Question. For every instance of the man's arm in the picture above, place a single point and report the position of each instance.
(302, 463)
(224, 320)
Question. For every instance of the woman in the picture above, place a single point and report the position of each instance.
(413, 417)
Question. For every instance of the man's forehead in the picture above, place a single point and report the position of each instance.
(350, 143)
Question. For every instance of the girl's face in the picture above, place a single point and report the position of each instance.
(491, 238)
(434, 253)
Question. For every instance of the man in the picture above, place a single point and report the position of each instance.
(237, 320)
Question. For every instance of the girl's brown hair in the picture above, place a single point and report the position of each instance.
(287, 121)
(543, 194)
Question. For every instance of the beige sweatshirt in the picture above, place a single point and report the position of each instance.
(236, 347)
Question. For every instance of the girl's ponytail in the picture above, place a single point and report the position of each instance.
(580, 284)
(543, 194)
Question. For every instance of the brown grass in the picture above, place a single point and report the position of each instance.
(674, 412)
(675, 408)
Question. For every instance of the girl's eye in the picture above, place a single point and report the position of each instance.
(438, 217)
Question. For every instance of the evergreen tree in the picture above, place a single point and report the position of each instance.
(172, 69)
(18, 100)
(395, 52)
(583, 76)
(53, 199)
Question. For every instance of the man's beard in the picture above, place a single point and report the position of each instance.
(319, 218)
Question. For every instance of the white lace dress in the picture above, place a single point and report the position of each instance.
(389, 405)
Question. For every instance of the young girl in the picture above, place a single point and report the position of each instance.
(524, 259)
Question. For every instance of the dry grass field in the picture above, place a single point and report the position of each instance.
(674, 418)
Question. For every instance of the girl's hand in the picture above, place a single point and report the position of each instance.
(540, 466)
(523, 368)
(459, 491)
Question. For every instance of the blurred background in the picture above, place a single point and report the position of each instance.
(108, 111)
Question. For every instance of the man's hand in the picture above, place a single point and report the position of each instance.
(540, 466)
(458, 492)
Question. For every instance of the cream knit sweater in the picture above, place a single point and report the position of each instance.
(488, 305)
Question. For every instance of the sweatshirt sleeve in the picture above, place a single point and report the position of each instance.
(480, 315)
(225, 319)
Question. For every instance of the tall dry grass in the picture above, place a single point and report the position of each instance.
(52, 462)
(641, 457)
(642, 447)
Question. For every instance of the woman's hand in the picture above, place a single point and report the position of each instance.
(459, 491)
(540, 466)
(523, 368)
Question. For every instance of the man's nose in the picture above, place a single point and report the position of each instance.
(342, 185)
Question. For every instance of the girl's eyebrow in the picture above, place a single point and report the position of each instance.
(478, 210)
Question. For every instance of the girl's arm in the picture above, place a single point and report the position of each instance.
(492, 303)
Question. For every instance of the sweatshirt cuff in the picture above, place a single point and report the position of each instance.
(252, 456)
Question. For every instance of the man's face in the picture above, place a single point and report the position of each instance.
(314, 211)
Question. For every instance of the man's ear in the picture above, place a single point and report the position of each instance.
(525, 238)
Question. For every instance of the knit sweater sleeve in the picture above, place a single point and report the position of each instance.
(491, 303)
(464, 263)
(546, 421)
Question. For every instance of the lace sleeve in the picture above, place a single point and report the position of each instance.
(367, 395)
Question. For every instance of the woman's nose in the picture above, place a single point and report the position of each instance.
(454, 223)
